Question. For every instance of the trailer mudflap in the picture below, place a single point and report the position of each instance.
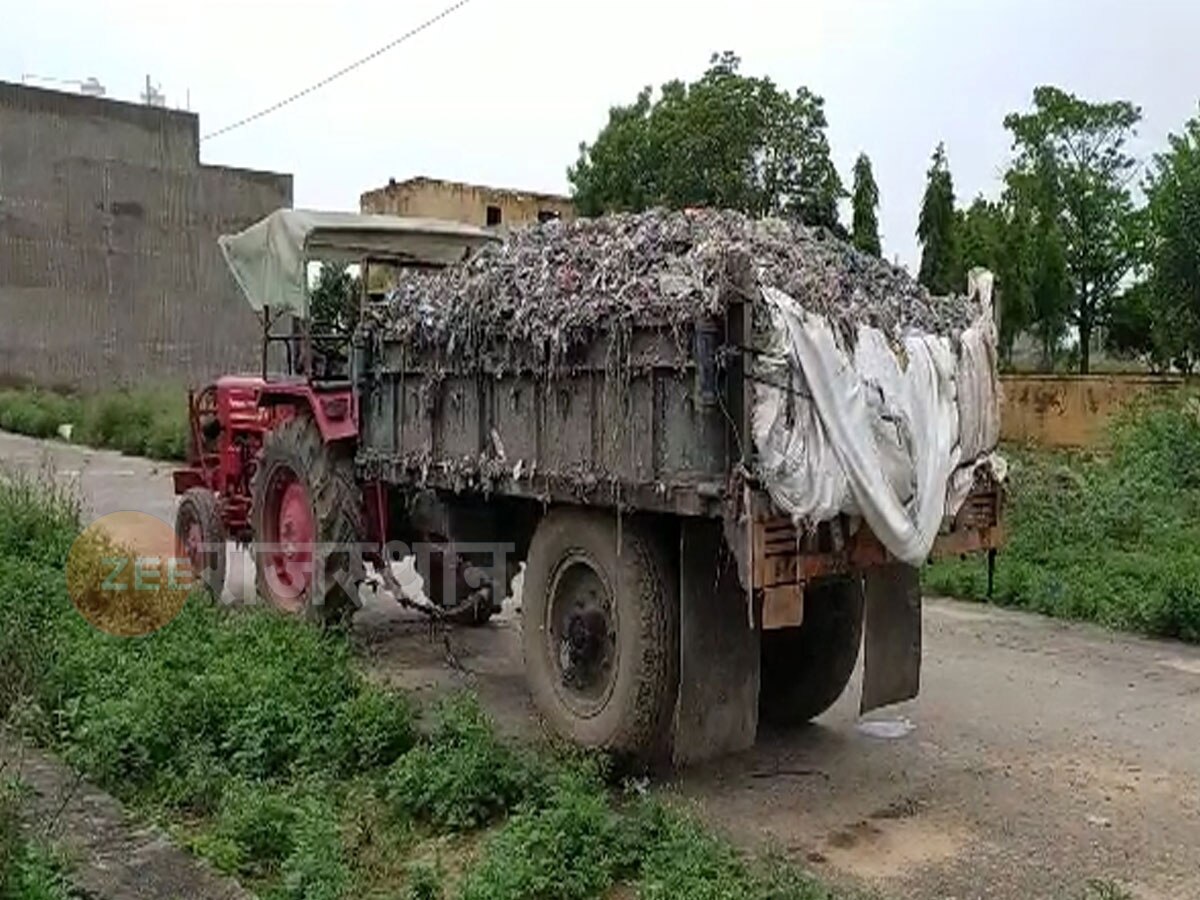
(892, 640)
(716, 711)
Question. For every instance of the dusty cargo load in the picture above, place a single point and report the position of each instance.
(550, 287)
(716, 448)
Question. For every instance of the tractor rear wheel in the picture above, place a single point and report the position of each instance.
(805, 669)
(308, 520)
(200, 532)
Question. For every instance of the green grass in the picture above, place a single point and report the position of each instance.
(28, 869)
(257, 742)
(141, 422)
(1109, 536)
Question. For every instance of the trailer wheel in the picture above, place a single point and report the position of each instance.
(307, 518)
(805, 669)
(601, 631)
(201, 535)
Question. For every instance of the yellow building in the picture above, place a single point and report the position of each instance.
(471, 203)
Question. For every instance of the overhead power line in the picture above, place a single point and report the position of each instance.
(411, 33)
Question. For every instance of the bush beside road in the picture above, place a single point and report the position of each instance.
(142, 422)
(1107, 536)
(257, 741)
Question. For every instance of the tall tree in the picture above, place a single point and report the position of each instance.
(983, 238)
(1071, 166)
(865, 202)
(935, 228)
(333, 299)
(1173, 249)
(724, 140)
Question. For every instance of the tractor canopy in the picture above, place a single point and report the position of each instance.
(269, 260)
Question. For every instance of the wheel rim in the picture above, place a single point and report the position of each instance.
(194, 547)
(291, 535)
(581, 635)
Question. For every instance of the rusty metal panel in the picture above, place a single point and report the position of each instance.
(782, 554)
(783, 606)
(690, 439)
(413, 404)
(568, 423)
(459, 418)
(513, 406)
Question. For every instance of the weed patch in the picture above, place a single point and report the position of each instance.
(256, 739)
(463, 777)
(28, 871)
(1108, 537)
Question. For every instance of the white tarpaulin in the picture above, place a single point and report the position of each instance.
(891, 434)
(269, 260)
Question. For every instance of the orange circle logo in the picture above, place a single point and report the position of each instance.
(127, 575)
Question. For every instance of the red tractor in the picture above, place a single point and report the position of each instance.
(271, 457)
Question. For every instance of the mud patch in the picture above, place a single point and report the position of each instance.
(892, 845)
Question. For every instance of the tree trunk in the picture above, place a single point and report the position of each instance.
(1085, 335)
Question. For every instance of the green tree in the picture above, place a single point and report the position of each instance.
(1173, 250)
(1130, 330)
(333, 300)
(935, 228)
(1072, 171)
(985, 237)
(724, 140)
(865, 202)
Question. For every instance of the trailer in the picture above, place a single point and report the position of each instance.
(667, 604)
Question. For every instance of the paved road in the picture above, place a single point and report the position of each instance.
(1042, 753)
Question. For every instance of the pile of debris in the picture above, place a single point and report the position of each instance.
(550, 288)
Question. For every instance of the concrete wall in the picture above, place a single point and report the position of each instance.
(1071, 410)
(109, 269)
(431, 198)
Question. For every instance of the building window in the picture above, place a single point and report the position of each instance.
(494, 216)
(548, 215)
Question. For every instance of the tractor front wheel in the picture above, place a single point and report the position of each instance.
(308, 521)
(200, 532)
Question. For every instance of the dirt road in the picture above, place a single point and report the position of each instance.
(1042, 754)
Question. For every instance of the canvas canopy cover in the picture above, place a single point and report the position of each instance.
(269, 260)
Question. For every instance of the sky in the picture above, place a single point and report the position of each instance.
(503, 91)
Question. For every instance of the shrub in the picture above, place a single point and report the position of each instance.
(279, 762)
(145, 421)
(566, 849)
(36, 413)
(1106, 536)
(463, 777)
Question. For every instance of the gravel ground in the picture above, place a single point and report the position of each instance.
(1042, 753)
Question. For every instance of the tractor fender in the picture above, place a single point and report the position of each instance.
(335, 412)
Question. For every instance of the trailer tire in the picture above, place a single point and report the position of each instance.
(806, 669)
(600, 630)
(301, 477)
(200, 532)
